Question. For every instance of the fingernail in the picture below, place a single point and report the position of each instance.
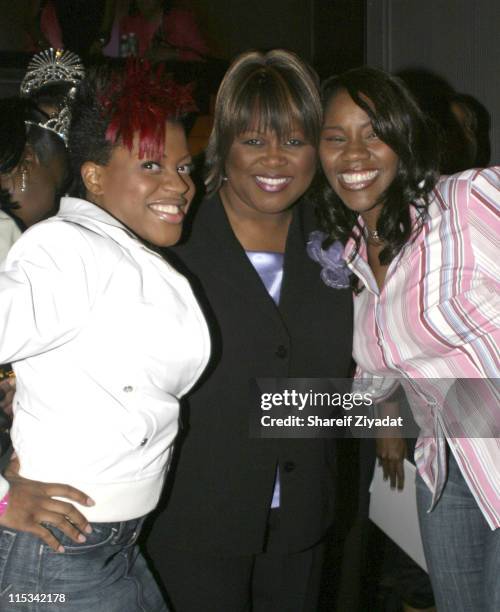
(90, 501)
(60, 549)
(88, 529)
(82, 538)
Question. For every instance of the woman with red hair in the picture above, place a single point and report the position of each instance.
(86, 298)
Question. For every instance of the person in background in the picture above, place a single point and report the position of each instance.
(34, 171)
(34, 168)
(49, 24)
(107, 40)
(426, 313)
(474, 119)
(10, 154)
(75, 21)
(164, 30)
(30, 176)
(102, 437)
(460, 121)
(249, 534)
(20, 28)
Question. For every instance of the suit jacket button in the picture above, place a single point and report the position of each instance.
(128, 389)
(281, 351)
(289, 466)
(144, 441)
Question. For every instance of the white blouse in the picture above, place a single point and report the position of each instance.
(105, 337)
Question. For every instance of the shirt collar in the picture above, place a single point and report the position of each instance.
(359, 262)
(91, 216)
(71, 208)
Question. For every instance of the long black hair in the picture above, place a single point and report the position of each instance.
(398, 121)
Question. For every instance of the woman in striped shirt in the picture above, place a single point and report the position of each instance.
(427, 311)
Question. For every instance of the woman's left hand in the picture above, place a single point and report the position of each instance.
(33, 505)
(391, 452)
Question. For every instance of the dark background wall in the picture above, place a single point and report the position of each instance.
(457, 39)
(329, 33)
(339, 35)
(236, 25)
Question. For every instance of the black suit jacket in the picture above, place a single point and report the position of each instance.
(220, 490)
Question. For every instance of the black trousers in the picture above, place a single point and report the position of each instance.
(267, 582)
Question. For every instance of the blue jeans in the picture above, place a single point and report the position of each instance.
(462, 552)
(105, 574)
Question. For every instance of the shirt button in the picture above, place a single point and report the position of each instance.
(289, 466)
(281, 351)
(128, 389)
(144, 442)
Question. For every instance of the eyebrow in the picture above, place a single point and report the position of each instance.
(339, 127)
(296, 130)
(188, 156)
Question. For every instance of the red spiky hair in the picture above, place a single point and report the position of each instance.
(139, 101)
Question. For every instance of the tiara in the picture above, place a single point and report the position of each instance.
(57, 123)
(50, 67)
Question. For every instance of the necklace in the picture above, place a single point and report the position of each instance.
(373, 236)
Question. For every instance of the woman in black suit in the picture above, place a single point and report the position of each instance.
(244, 519)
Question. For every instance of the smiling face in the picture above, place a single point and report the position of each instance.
(149, 196)
(266, 175)
(357, 164)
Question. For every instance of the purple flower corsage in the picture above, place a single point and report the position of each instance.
(334, 272)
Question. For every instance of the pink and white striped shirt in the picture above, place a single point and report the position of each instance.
(435, 326)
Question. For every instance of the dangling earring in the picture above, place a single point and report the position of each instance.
(24, 179)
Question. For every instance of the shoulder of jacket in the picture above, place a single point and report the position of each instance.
(61, 238)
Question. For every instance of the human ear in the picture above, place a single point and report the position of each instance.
(92, 177)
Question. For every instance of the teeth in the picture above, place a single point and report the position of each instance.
(170, 209)
(272, 181)
(358, 177)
